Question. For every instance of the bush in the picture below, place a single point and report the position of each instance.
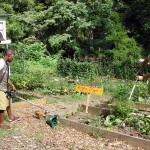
(89, 70)
(122, 109)
(122, 105)
(72, 68)
(32, 52)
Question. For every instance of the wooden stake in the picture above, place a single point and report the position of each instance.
(87, 102)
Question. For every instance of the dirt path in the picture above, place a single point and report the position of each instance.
(34, 134)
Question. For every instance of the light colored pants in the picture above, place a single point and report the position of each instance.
(4, 101)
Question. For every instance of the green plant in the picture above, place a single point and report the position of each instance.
(96, 134)
(139, 122)
(73, 69)
(140, 92)
(122, 109)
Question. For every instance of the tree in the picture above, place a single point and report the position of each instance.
(135, 15)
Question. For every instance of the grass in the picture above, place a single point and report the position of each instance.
(6, 133)
(96, 134)
(74, 98)
(25, 96)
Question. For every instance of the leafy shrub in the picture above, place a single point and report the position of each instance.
(123, 106)
(29, 74)
(140, 123)
(60, 87)
(32, 52)
(122, 109)
(72, 68)
(30, 80)
(140, 91)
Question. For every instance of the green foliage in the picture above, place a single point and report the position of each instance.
(122, 105)
(107, 122)
(140, 123)
(6, 8)
(122, 91)
(122, 109)
(50, 61)
(35, 52)
(55, 87)
(68, 67)
(23, 5)
(30, 74)
(57, 40)
(125, 51)
(72, 68)
(140, 92)
(79, 28)
(30, 80)
(32, 52)
(111, 120)
(138, 26)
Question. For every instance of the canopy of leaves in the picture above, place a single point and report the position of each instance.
(105, 29)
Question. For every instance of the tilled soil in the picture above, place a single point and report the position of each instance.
(31, 133)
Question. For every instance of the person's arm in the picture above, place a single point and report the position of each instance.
(11, 85)
(145, 62)
(143, 77)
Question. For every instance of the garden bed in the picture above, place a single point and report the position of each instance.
(84, 122)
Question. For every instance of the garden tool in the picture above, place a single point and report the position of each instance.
(133, 88)
(46, 111)
(53, 121)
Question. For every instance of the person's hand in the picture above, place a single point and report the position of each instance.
(140, 77)
(13, 87)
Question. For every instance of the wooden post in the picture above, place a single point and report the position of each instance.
(87, 102)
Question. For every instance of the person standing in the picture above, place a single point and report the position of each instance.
(5, 102)
(147, 76)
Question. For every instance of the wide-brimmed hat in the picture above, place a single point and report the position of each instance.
(1, 37)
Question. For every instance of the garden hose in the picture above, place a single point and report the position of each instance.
(133, 88)
(46, 111)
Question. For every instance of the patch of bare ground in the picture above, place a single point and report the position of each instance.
(34, 134)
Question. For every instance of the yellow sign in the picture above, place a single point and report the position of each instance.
(89, 89)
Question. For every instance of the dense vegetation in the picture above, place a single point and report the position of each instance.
(54, 37)
(108, 29)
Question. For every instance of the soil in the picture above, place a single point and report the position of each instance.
(31, 133)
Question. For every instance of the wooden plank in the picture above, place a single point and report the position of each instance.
(141, 105)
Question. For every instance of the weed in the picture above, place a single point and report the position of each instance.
(96, 134)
